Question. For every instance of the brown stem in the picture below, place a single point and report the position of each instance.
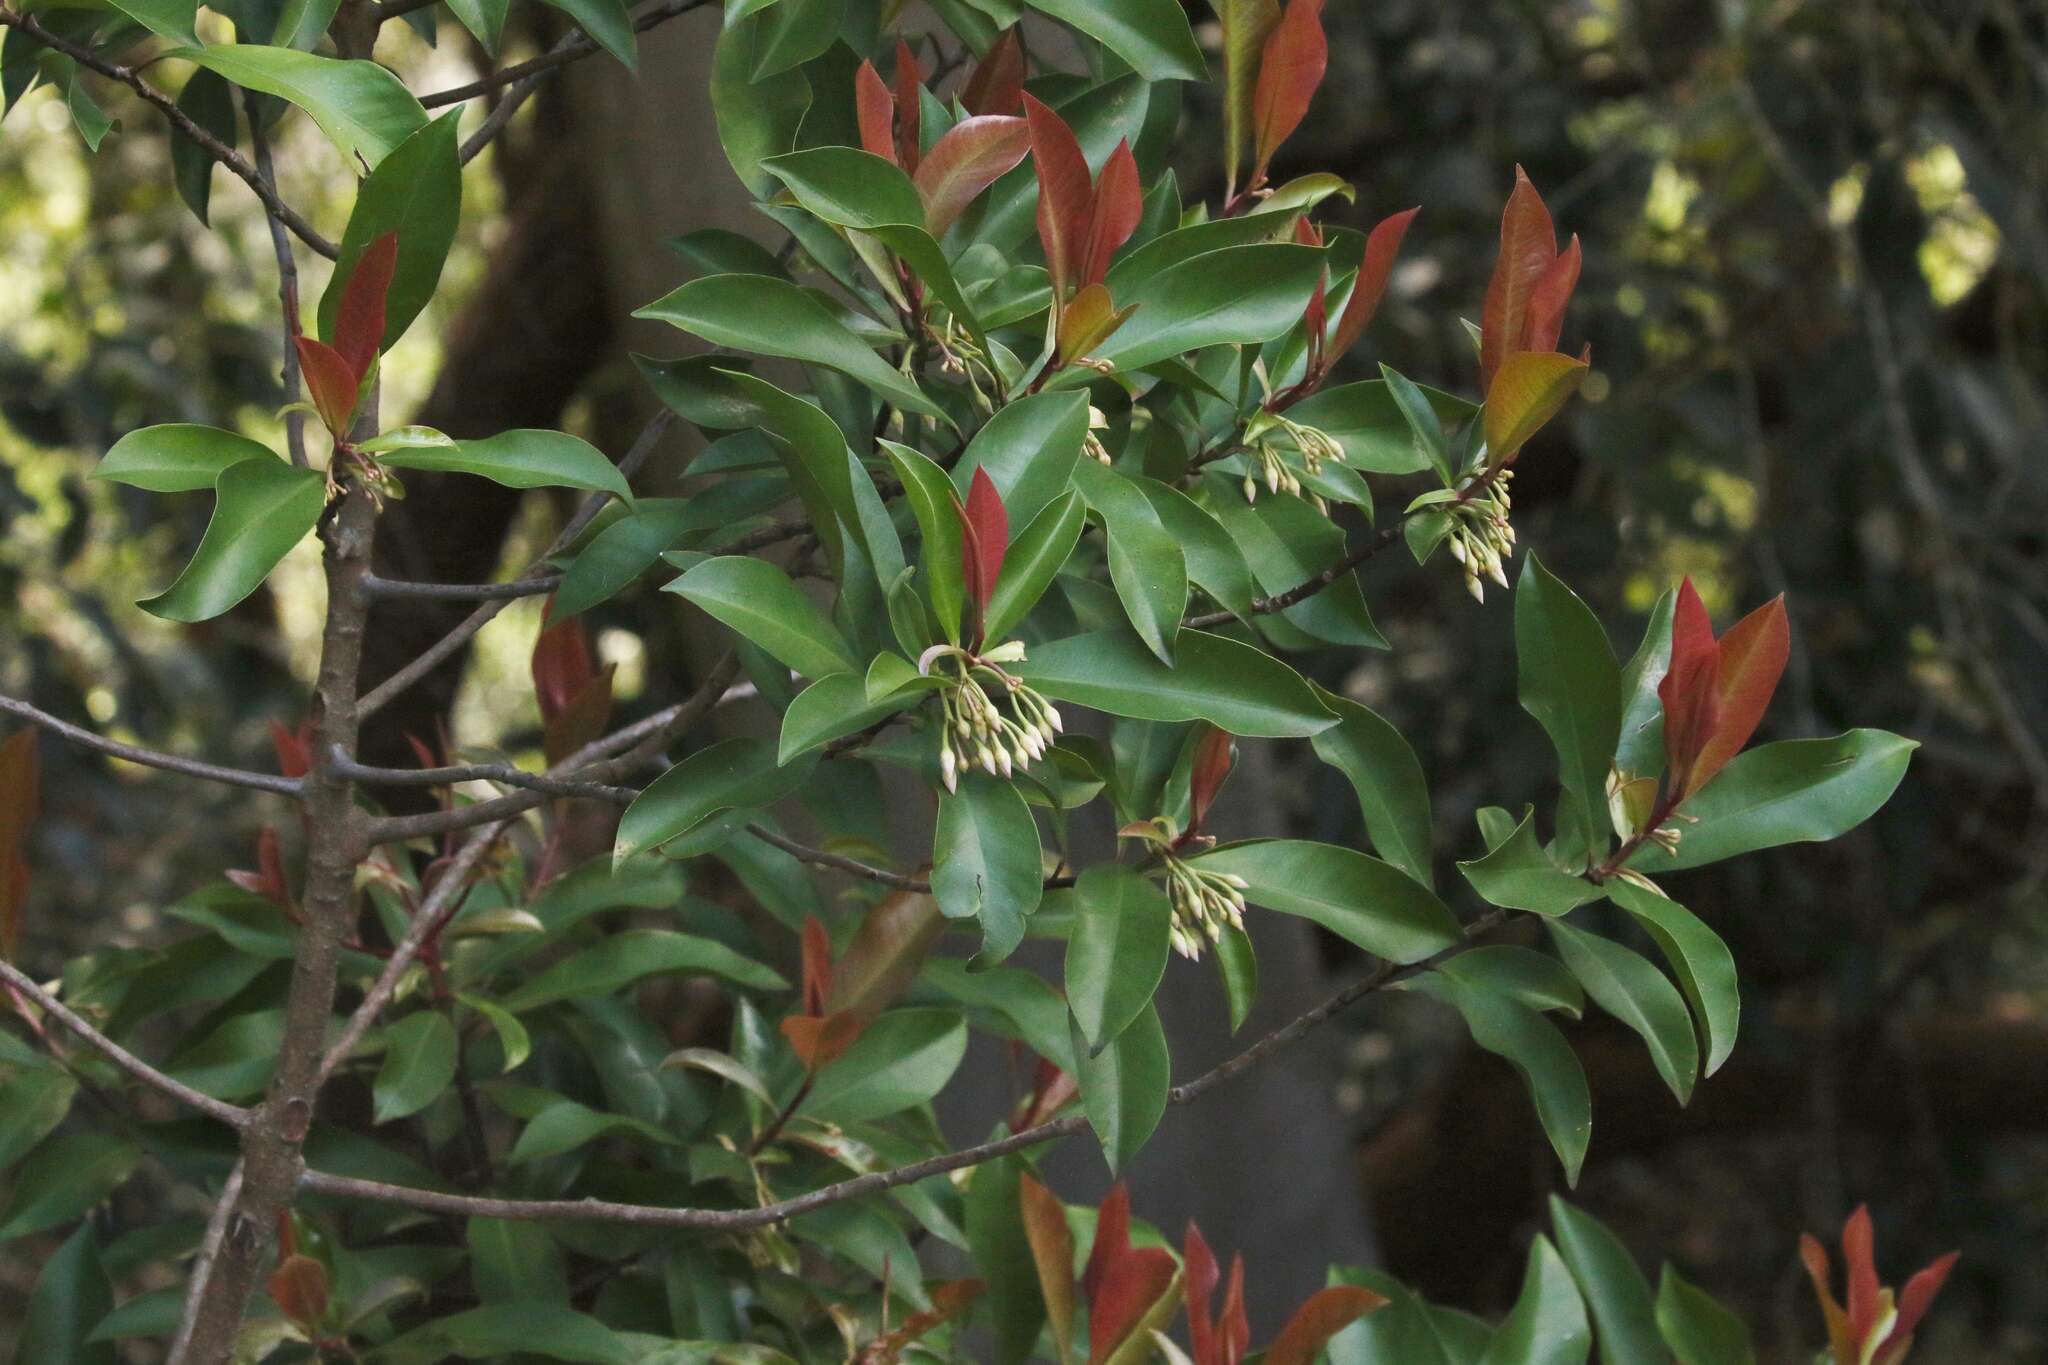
(149, 758)
(287, 282)
(781, 1120)
(271, 1162)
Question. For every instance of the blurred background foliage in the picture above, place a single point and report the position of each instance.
(1815, 283)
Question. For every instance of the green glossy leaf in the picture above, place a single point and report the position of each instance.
(903, 1060)
(1520, 974)
(624, 550)
(1627, 986)
(1393, 795)
(416, 193)
(936, 507)
(32, 1104)
(756, 119)
(1366, 420)
(516, 1262)
(72, 1294)
(1033, 560)
(209, 102)
(513, 1040)
(1363, 900)
(1570, 684)
(623, 959)
(177, 458)
(1152, 36)
(1533, 1046)
(1547, 1325)
(1794, 791)
(1698, 1330)
(1614, 1290)
(1145, 562)
(608, 23)
(550, 1331)
(1116, 952)
(831, 707)
(986, 862)
(170, 19)
(365, 111)
(420, 1058)
(517, 459)
(1641, 752)
(1407, 1331)
(848, 187)
(864, 1236)
(1425, 427)
(485, 19)
(1287, 542)
(1518, 875)
(64, 1178)
(1699, 959)
(775, 317)
(1214, 562)
(303, 23)
(762, 603)
(794, 32)
(1233, 686)
(1029, 448)
(733, 774)
(1123, 1087)
(262, 508)
(564, 1125)
(1002, 1257)
(1236, 295)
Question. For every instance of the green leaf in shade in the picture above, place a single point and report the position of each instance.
(756, 119)
(303, 23)
(1365, 419)
(1533, 1046)
(1116, 952)
(1425, 427)
(795, 32)
(420, 1057)
(1615, 1292)
(262, 508)
(1392, 792)
(170, 19)
(1626, 985)
(1794, 791)
(416, 193)
(513, 1040)
(1363, 900)
(733, 774)
(1029, 448)
(63, 1179)
(1287, 542)
(72, 1294)
(527, 458)
(1214, 562)
(864, 1236)
(1002, 1257)
(209, 102)
(1699, 959)
(516, 1262)
(565, 1125)
(547, 1330)
(1123, 1087)
(1236, 295)
(364, 110)
(1237, 966)
(775, 317)
(937, 509)
(1151, 35)
(1033, 560)
(848, 187)
(609, 25)
(763, 604)
(834, 706)
(1008, 1002)
(623, 959)
(1407, 1331)
(1699, 1330)
(1641, 752)
(1145, 562)
(1235, 687)
(903, 1059)
(485, 20)
(1523, 974)
(986, 862)
(813, 452)
(32, 1104)
(1547, 1325)
(177, 458)
(625, 549)
(1570, 684)
(1518, 875)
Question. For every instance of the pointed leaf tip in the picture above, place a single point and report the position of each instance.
(359, 326)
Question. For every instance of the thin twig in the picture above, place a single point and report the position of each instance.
(1306, 589)
(232, 1115)
(151, 758)
(168, 107)
(734, 1220)
(287, 283)
(465, 592)
(203, 1263)
(507, 774)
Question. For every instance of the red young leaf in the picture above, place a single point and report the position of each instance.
(1131, 1287)
(875, 110)
(1202, 1275)
(949, 1300)
(1051, 1091)
(1315, 321)
(294, 748)
(1291, 68)
(1089, 318)
(1052, 1252)
(1212, 764)
(1687, 691)
(1752, 658)
(1382, 246)
(817, 966)
(359, 325)
(299, 1286)
(1065, 194)
(966, 161)
(987, 540)
(1859, 1261)
(996, 85)
(1548, 299)
(817, 1042)
(562, 664)
(909, 107)
(1233, 1328)
(330, 382)
(20, 787)
(268, 879)
(1528, 244)
(1914, 1301)
(1326, 1313)
(1112, 1237)
(1815, 1256)
(1113, 213)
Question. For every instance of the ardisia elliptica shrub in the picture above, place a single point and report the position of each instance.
(1025, 479)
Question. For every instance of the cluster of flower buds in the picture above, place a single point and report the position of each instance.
(1268, 455)
(1091, 444)
(973, 731)
(1204, 905)
(1481, 538)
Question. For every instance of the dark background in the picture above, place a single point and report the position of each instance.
(1815, 251)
